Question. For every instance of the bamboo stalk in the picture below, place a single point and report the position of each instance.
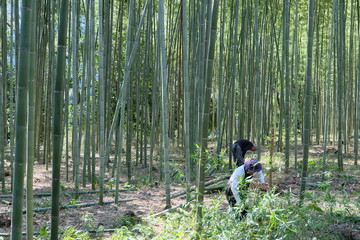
(74, 205)
(21, 119)
(174, 195)
(72, 192)
(58, 130)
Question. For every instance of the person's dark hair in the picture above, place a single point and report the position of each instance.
(252, 165)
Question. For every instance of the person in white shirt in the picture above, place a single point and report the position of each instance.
(241, 178)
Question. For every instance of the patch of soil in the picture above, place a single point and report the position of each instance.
(348, 233)
(147, 200)
(5, 220)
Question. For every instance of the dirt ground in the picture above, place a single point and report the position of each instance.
(143, 200)
(147, 199)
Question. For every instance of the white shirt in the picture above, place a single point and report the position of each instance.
(238, 174)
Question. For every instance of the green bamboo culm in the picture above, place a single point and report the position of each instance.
(327, 85)
(340, 37)
(101, 101)
(234, 56)
(164, 103)
(307, 104)
(31, 129)
(86, 163)
(357, 109)
(58, 118)
(286, 73)
(21, 120)
(93, 94)
(185, 64)
(76, 115)
(3, 79)
(205, 113)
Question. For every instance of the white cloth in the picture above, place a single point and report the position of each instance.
(239, 174)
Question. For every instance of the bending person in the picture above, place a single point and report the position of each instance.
(239, 149)
(239, 181)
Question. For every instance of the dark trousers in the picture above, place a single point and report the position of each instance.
(232, 201)
(230, 197)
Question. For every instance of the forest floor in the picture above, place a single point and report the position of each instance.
(147, 199)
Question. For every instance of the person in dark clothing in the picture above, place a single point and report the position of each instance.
(239, 149)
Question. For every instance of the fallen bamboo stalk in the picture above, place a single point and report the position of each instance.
(6, 202)
(89, 231)
(217, 187)
(177, 194)
(309, 184)
(168, 210)
(73, 206)
(72, 192)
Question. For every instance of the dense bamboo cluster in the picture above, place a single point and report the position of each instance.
(112, 82)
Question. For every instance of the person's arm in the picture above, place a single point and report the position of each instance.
(262, 180)
(261, 177)
(239, 172)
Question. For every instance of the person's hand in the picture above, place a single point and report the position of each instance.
(263, 187)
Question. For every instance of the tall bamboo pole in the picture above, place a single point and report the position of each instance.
(307, 103)
(357, 89)
(2, 104)
(21, 120)
(31, 127)
(58, 130)
(86, 163)
(93, 95)
(327, 93)
(286, 72)
(76, 134)
(296, 83)
(340, 74)
(205, 112)
(102, 89)
(233, 74)
(164, 102)
(185, 65)
(2, 94)
(12, 87)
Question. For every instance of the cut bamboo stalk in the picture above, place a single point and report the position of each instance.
(177, 194)
(159, 214)
(90, 231)
(74, 206)
(72, 192)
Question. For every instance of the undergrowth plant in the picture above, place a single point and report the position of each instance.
(270, 216)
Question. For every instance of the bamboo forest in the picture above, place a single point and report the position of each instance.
(176, 119)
